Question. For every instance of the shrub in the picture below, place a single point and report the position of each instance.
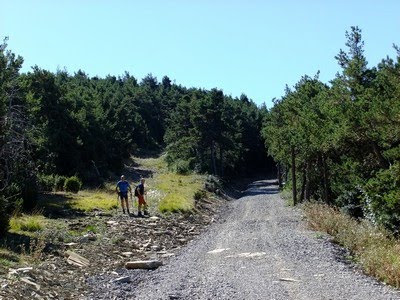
(28, 223)
(200, 194)
(72, 184)
(4, 215)
(382, 198)
(374, 248)
(46, 182)
(182, 167)
(59, 182)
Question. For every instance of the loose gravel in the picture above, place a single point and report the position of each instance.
(258, 249)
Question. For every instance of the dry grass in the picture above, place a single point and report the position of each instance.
(27, 223)
(374, 248)
(89, 200)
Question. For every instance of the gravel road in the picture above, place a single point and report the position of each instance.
(260, 249)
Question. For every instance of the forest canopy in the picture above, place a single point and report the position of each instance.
(60, 124)
(341, 141)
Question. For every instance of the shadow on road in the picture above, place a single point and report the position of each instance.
(262, 187)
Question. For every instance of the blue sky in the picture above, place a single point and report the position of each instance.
(253, 47)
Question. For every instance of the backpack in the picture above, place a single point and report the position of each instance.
(136, 191)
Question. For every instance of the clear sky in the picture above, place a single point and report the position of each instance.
(253, 47)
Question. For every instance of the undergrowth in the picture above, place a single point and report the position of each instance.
(91, 200)
(375, 249)
(27, 223)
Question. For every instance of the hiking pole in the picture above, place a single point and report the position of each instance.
(117, 203)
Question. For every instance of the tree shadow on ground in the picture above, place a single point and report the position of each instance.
(17, 243)
(57, 205)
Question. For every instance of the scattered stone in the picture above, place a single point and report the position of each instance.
(29, 281)
(156, 248)
(217, 250)
(154, 218)
(289, 279)
(124, 279)
(70, 244)
(127, 254)
(167, 255)
(143, 264)
(76, 259)
(112, 223)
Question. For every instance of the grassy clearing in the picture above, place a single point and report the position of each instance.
(93, 200)
(179, 191)
(373, 248)
(27, 223)
(168, 191)
(86, 200)
(157, 164)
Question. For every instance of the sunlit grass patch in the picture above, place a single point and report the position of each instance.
(179, 191)
(27, 223)
(158, 163)
(375, 249)
(88, 200)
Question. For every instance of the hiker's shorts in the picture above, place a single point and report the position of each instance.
(141, 200)
(123, 195)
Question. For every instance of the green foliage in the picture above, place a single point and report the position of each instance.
(72, 184)
(46, 182)
(200, 194)
(344, 138)
(59, 182)
(382, 197)
(27, 223)
(182, 167)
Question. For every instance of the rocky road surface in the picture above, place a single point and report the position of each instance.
(259, 249)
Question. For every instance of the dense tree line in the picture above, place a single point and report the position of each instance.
(61, 124)
(341, 142)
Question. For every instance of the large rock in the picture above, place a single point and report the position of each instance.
(143, 264)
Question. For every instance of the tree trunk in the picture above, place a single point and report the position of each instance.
(294, 190)
(221, 159)
(279, 174)
(303, 183)
(325, 179)
(214, 166)
(307, 187)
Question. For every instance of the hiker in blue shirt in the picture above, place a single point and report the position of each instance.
(122, 188)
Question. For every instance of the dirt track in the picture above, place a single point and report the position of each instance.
(260, 249)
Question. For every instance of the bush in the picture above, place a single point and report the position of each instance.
(27, 223)
(59, 182)
(46, 182)
(374, 248)
(72, 184)
(4, 215)
(182, 167)
(200, 194)
(382, 198)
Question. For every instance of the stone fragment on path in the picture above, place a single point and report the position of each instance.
(219, 250)
(143, 264)
(29, 281)
(248, 255)
(77, 260)
(289, 279)
(127, 254)
(124, 279)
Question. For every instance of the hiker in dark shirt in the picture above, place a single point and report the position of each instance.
(122, 188)
(140, 193)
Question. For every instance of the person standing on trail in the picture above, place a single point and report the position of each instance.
(140, 193)
(122, 188)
